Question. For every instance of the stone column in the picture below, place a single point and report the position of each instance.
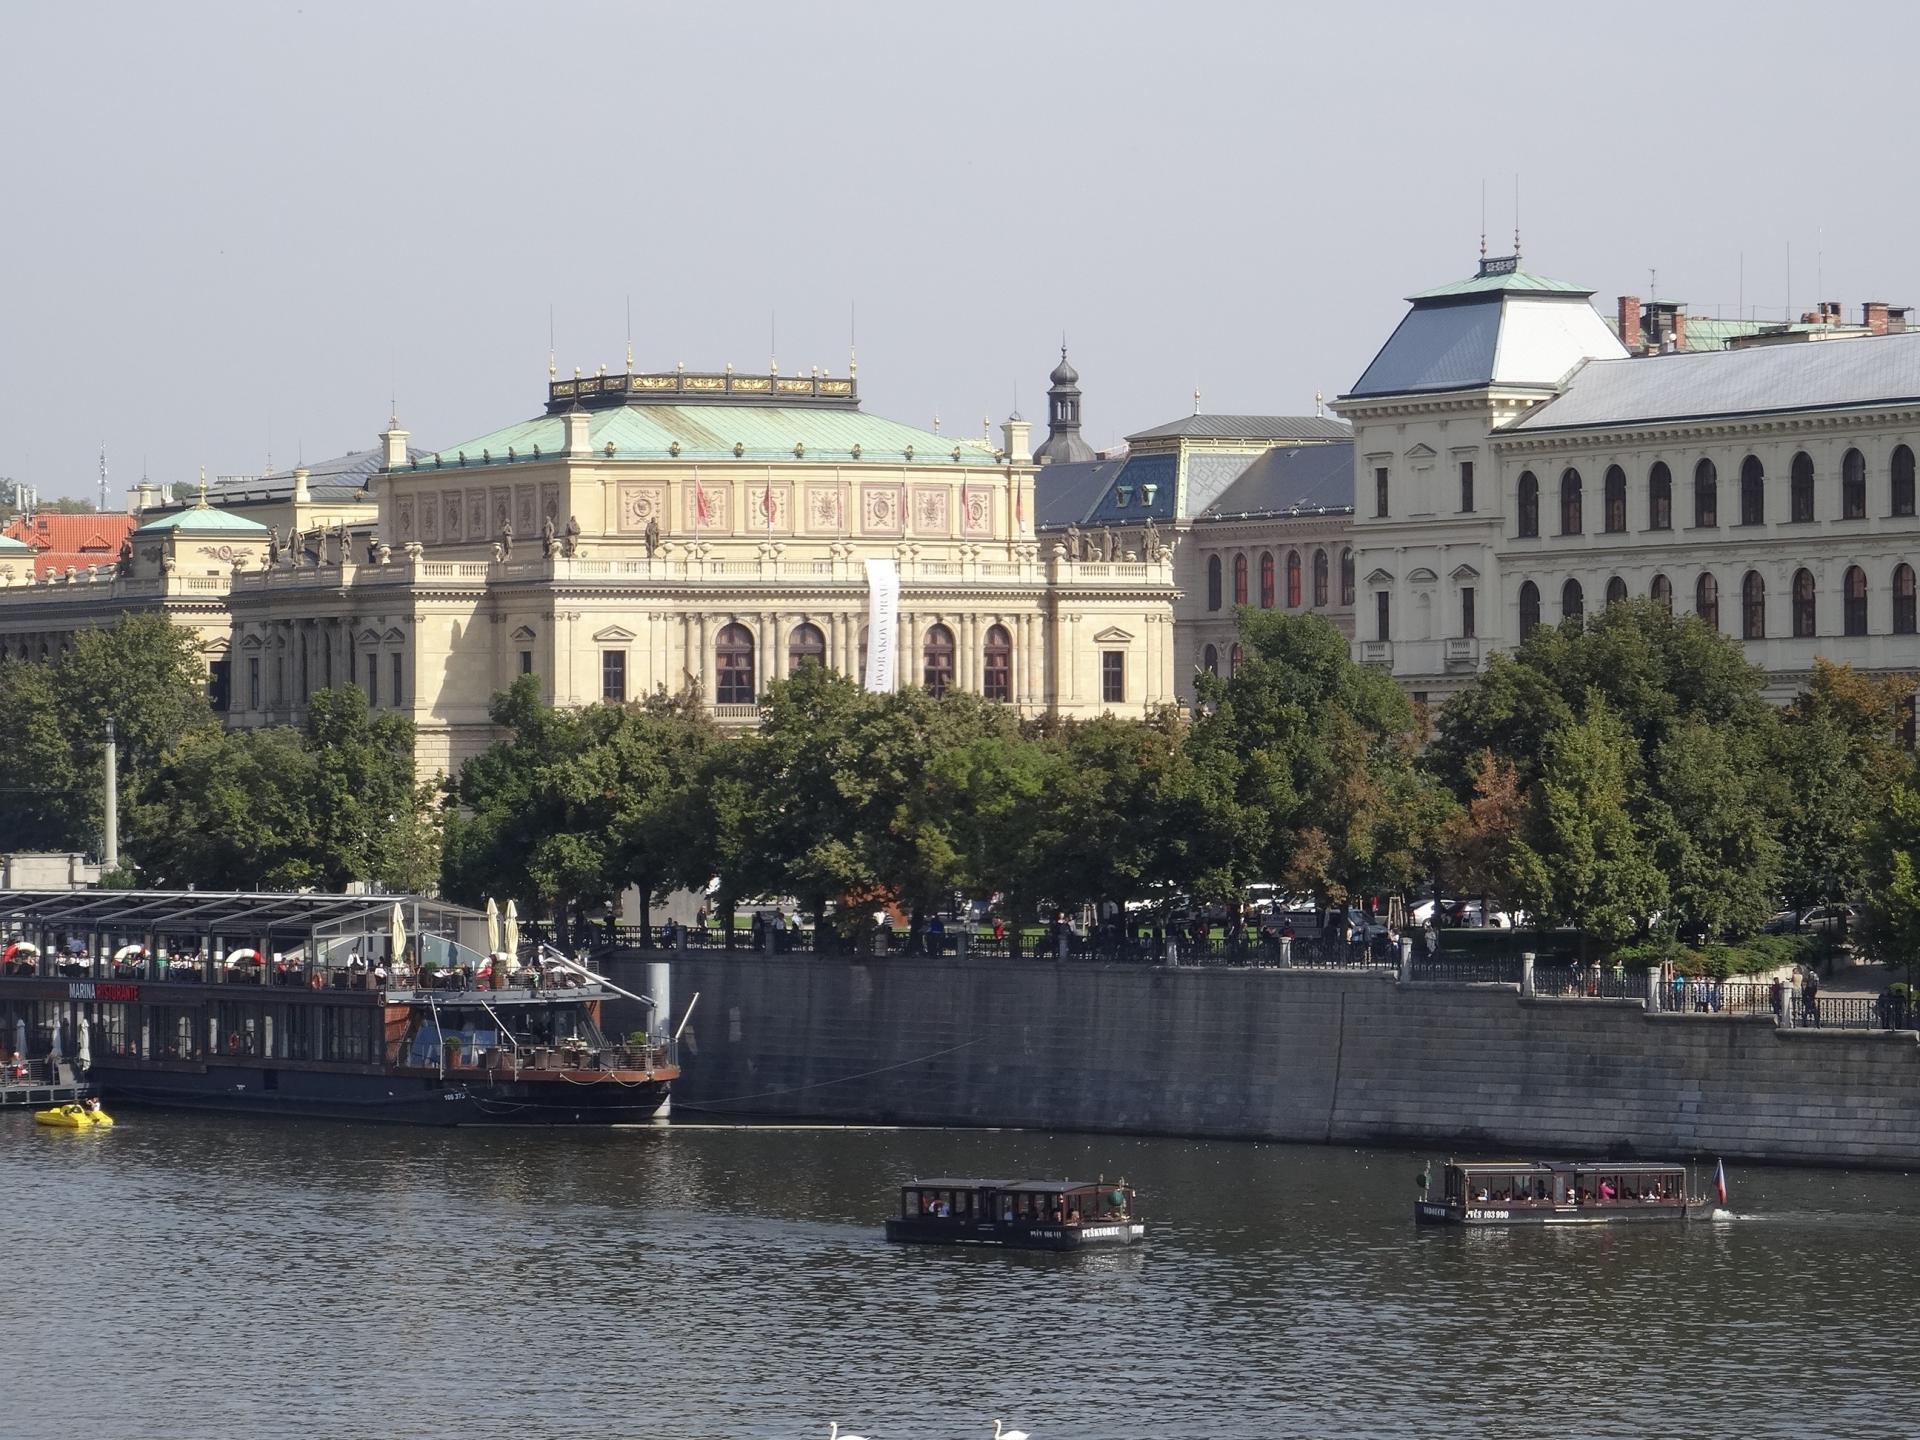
(703, 665)
(1526, 973)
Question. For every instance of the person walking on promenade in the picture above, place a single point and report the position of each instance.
(1810, 997)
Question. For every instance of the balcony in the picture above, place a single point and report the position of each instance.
(1378, 653)
(1463, 653)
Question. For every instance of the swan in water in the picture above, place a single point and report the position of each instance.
(999, 1434)
(833, 1432)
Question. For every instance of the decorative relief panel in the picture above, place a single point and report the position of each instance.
(500, 502)
(706, 507)
(880, 507)
(403, 517)
(430, 518)
(526, 514)
(452, 505)
(641, 503)
(825, 510)
(930, 509)
(976, 510)
(476, 514)
(550, 503)
(770, 507)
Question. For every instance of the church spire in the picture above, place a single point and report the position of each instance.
(1063, 444)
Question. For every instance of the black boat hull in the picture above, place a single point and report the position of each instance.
(1433, 1212)
(1012, 1235)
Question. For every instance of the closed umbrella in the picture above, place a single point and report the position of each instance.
(510, 936)
(493, 926)
(20, 1037)
(83, 1046)
(397, 926)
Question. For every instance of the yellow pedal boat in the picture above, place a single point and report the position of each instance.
(72, 1117)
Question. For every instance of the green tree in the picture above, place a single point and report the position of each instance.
(1893, 878)
(1579, 861)
(41, 786)
(68, 505)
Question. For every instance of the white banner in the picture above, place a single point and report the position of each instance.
(883, 623)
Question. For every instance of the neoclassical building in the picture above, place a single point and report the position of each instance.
(1261, 508)
(1515, 466)
(652, 532)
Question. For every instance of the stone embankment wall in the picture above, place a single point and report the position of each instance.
(1306, 1055)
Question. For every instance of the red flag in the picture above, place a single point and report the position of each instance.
(702, 508)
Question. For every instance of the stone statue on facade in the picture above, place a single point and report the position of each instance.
(373, 549)
(653, 535)
(549, 546)
(570, 538)
(273, 545)
(503, 550)
(382, 552)
(1075, 546)
(1109, 544)
(1150, 542)
(124, 565)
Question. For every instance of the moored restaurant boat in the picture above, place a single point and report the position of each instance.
(330, 1006)
(1561, 1192)
(1018, 1214)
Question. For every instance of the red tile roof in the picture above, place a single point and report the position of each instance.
(75, 541)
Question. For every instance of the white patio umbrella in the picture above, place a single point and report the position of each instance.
(510, 936)
(83, 1046)
(20, 1038)
(493, 926)
(397, 926)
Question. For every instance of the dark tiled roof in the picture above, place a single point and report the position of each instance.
(1066, 494)
(340, 478)
(1141, 473)
(1249, 427)
(1290, 479)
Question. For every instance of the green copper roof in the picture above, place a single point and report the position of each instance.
(710, 432)
(1512, 280)
(11, 546)
(203, 520)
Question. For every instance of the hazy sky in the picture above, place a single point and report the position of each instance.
(243, 225)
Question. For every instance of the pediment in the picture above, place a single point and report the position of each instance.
(1422, 451)
(1113, 635)
(525, 632)
(612, 635)
(394, 637)
(369, 637)
(1423, 576)
(1379, 577)
(1465, 572)
(251, 642)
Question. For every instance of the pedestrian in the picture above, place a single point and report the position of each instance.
(1810, 996)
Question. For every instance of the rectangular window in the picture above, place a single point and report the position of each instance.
(398, 689)
(373, 682)
(219, 685)
(1466, 486)
(1466, 611)
(1380, 492)
(1383, 614)
(1113, 677)
(526, 662)
(613, 676)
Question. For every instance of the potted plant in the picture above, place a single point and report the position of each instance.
(450, 1047)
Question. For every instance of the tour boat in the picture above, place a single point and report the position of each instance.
(1561, 1192)
(1017, 1214)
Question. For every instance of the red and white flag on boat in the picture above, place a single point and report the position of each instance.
(1720, 1180)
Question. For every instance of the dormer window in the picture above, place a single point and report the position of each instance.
(1147, 493)
(1121, 495)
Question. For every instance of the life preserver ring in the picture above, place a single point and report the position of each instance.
(243, 957)
(125, 950)
(16, 947)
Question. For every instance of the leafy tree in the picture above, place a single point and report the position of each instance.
(40, 783)
(1893, 878)
(1578, 861)
(1480, 836)
(68, 505)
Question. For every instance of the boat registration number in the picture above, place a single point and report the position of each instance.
(1489, 1215)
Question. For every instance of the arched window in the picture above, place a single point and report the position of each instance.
(1800, 483)
(1753, 607)
(1266, 580)
(1706, 495)
(1293, 580)
(1573, 604)
(733, 666)
(805, 646)
(1233, 659)
(1210, 660)
(1239, 579)
(1903, 607)
(1853, 486)
(1662, 593)
(1346, 577)
(1529, 608)
(1803, 609)
(1616, 591)
(1616, 519)
(1706, 599)
(1213, 582)
(1753, 492)
(1659, 497)
(936, 661)
(1529, 505)
(1853, 608)
(1570, 503)
(1319, 577)
(996, 676)
(1902, 480)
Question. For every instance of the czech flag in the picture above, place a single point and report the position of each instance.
(1720, 1180)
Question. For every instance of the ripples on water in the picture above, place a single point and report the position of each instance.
(198, 1278)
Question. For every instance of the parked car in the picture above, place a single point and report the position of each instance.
(1834, 921)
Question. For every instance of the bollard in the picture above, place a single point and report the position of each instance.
(1286, 950)
(1406, 964)
(1173, 952)
(1653, 987)
(1526, 973)
(962, 942)
(1060, 946)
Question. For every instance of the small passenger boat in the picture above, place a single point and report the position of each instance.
(77, 1116)
(1561, 1192)
(1017, 1214)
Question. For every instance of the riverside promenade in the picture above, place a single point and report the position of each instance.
(1417, 1055)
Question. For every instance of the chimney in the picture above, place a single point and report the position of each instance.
(1013, 436)
(393, 444)
(577, 440)
(1874, 315)
(1896, 319)
(301, 495)
(1630, 335)
(1679, 329)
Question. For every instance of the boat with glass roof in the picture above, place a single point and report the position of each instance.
(1561, 1192)
(1018, 1214)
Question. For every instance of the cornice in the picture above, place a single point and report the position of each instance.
(1680, 432)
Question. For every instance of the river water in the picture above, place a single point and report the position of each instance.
(202, 1277)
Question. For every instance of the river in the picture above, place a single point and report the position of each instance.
(195, 1278)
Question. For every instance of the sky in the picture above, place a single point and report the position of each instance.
(241, 233)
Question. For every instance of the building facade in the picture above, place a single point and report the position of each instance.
(653, 533)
